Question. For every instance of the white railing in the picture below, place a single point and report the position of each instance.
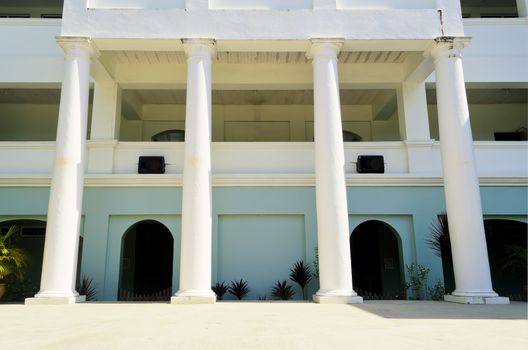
(257, 157)
(26, 157)
(494, 159)
(136, 4)
(261, 4)
(386, 4)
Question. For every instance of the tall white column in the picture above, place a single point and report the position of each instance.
(59, 265)
(335, 272)
(466, 227)
(196, 233)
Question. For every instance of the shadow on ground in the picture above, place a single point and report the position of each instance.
(444, 310)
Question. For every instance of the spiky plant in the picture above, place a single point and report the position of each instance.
(220, 289)
(87, 288)
(301, 274)
(13, 261)
(282, 291)
(439, 240)
(239, 289)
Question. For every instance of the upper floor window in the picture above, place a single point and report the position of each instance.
(31, 8)
(489, 9)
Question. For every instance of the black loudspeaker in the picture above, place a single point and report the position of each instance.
(370, 165)
(151, 165)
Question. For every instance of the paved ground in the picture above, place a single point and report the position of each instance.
(265, 325)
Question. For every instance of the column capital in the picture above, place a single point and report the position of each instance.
(69, 43)
(448, 46)
(328, 47)
(199, 47)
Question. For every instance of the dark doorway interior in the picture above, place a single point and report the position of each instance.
(376, 265)
(146, 263)
(30, 238)
(507, 243)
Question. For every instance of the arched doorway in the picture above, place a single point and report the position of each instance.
(146, 262)
(507, 243)
(376, 263)
(30, 238)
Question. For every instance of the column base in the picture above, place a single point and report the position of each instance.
(193, 300)
(55, 300)
(337, 299)
(194, 297)
(477, 300)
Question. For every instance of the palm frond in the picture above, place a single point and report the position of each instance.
(13, 261)
(87, 288)
(220, 289)
(282, 291)
(239, 289)
(439, 240)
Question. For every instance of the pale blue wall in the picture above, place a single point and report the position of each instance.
(256, 231)
(259, 248)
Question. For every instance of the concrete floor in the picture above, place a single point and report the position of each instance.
(265, 325)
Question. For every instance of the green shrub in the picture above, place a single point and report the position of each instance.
(417, 280)
(437, 291)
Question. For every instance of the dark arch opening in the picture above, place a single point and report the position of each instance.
(376, 261)
(30, 238)
(507, 243)
(146, 262)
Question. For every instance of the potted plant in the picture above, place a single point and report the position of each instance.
(13, 261)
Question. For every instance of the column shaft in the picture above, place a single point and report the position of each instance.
(65, 203)
(335, 272)
(466, 227)
(196, 233)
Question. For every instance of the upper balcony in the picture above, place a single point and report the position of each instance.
(261, 19)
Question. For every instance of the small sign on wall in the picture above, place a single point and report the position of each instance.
(388, 263)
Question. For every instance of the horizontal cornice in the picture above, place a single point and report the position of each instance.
(251, 180)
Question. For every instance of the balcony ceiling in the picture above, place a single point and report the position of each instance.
(251, 97)
(166, 57)
(260, 97)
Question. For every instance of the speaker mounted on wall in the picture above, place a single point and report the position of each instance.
(370, 165)
(151, 165)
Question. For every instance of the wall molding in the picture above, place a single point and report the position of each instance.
(252, 180)
(51, 22)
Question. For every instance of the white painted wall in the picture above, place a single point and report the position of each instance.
(31, 122)
(260, 4)
(487, 119)
(386, 4)
(29, 52)
(260, 159)
(259, 123)
(498, 51)
(198, 21)
(28, 122)
(257, 157)
(136, 4)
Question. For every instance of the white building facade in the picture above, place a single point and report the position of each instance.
(276, 99)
